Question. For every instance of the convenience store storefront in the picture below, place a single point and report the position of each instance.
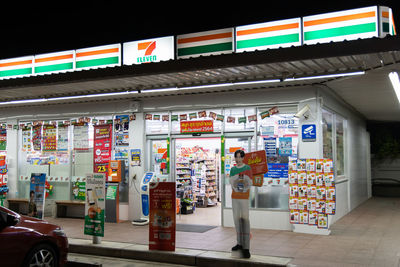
(239, 88)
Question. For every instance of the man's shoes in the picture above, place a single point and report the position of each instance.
(237, 247)
(246, 253)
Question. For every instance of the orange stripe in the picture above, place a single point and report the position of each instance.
(385, 14)
(97, 52)
(143, 46)
(269, 29)
(205, 38)
(15, 63)
(340, 18)
(46, 59)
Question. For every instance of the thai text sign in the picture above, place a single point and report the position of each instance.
(258, 163)
(206, 126)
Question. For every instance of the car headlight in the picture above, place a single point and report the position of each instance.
(59, 232)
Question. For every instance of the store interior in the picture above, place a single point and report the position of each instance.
(198, 179)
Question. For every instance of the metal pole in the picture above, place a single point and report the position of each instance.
(96, 239)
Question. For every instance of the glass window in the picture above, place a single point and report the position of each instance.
(278, 136)
(327, 132)
(339, 145)
(158, 162)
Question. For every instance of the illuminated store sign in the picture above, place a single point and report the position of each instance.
(98, 57)
(151, 50)
(54, 62)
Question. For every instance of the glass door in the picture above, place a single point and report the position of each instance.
(159, 156)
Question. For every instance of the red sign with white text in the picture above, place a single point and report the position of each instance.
(102, 147)
(197, 126)
(257, 161)
(162, 217)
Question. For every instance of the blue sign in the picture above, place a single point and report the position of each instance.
(277, 170)
(309, 132)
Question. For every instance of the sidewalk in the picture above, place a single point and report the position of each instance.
(367, 236)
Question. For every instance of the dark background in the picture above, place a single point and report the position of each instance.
(35, 27)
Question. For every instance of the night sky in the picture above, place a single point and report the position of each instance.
(29, 28)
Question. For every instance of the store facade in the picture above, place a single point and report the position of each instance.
(251, 101)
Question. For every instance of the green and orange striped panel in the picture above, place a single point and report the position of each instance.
(339, 26)
(54, 62)
(275, 34)
(386, 21)
(16, 67)
(205, 43)
(98, 57)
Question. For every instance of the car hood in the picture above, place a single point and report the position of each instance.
(35, 224)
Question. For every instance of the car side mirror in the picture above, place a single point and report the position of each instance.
(7, 219)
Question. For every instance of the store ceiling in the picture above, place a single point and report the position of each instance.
(370, 94)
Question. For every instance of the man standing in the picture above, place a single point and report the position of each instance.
(240, 178)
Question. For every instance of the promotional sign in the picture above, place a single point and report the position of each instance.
(81, 137)
(135, 157)
(102, 144)
(26, 139)
(3, 139)
(339, 26)
(197, 126)
(16, 67)
(37, 195)
(308, 132)
(146, 51)
(274, 34)
(98, 57)
(79, 191)
(49, 138)
(162, 218)
(94, 205)
(258, 163)
(37, 137)
(54, 62)
(205, 43)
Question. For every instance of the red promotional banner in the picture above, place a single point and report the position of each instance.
(102, 147)
(162, 217)
(197, 126)
(258, 163)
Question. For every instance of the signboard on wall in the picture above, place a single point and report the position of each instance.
(351, 24)
(37, 189)
(308, 133)
(150, 50)
(205, 126)
(102, 147)
(162, 218)
(205, 43)
(274, 34)
(98, 57)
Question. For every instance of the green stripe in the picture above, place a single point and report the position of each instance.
(55, 67)
(205, 49)
(8, 73)
(385, 26)
(340, 31)
(281, 39)
(97, 62)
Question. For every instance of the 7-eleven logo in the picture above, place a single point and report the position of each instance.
(147, 48)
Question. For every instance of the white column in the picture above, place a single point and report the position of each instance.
(12, 159)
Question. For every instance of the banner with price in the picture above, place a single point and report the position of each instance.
(162, 218)
(102, 147)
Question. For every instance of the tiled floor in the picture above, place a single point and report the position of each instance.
(367, 236)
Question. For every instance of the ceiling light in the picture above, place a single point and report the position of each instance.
(394, 78)
(326, 76)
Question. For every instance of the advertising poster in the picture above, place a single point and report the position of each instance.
(258, 163)
(312, 191)
(270, 146)
(79, 191)
(37, 137)
(37, 195)
(285, 146)
(49, 138)
(95, 204)
(102, 147)
(62, 142)
(135, 157)
(26, 139)
(3, 139)
(81, 137)
(162, 224)
(121, 125)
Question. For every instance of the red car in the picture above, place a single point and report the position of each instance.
(27, 241)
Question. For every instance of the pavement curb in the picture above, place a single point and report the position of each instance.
(180, 256)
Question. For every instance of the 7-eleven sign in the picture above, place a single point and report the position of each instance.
(145, 51)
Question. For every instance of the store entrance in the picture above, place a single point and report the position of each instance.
(197, 171)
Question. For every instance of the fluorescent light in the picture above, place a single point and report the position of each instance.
(15, 102)
(160, 90)
(394, 78)
(325, 76)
